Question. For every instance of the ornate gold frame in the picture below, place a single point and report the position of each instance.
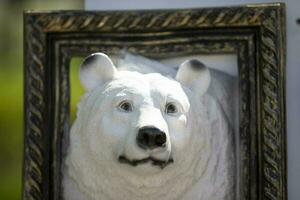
(256, 33)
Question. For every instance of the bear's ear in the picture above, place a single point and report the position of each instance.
(96, 69)
(195, 75)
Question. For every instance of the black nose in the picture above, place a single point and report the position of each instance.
(150, 137)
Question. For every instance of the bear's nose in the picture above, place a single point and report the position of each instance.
(150, 137)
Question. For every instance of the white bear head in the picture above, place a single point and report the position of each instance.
(139, 132)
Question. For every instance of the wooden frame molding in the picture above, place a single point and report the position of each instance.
(256, 33)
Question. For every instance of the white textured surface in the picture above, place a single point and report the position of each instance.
(199, 139)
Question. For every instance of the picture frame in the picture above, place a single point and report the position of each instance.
(255, 33)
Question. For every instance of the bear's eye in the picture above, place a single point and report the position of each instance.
(125, 106)
(170, 108)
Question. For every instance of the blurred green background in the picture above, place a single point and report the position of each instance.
(11, 88)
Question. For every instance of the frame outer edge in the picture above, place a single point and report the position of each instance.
(35, 173)
(282, 14)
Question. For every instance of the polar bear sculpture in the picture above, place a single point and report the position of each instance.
(147, 136)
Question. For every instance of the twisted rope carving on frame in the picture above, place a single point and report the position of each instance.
(139, 20)
(34, 134)
(271, 108)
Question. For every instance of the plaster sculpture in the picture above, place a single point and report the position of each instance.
(149, 136)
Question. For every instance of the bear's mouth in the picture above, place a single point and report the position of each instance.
(161, 163)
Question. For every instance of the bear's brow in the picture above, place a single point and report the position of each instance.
(131, 91)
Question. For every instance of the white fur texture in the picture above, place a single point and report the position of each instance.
(199, 140)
